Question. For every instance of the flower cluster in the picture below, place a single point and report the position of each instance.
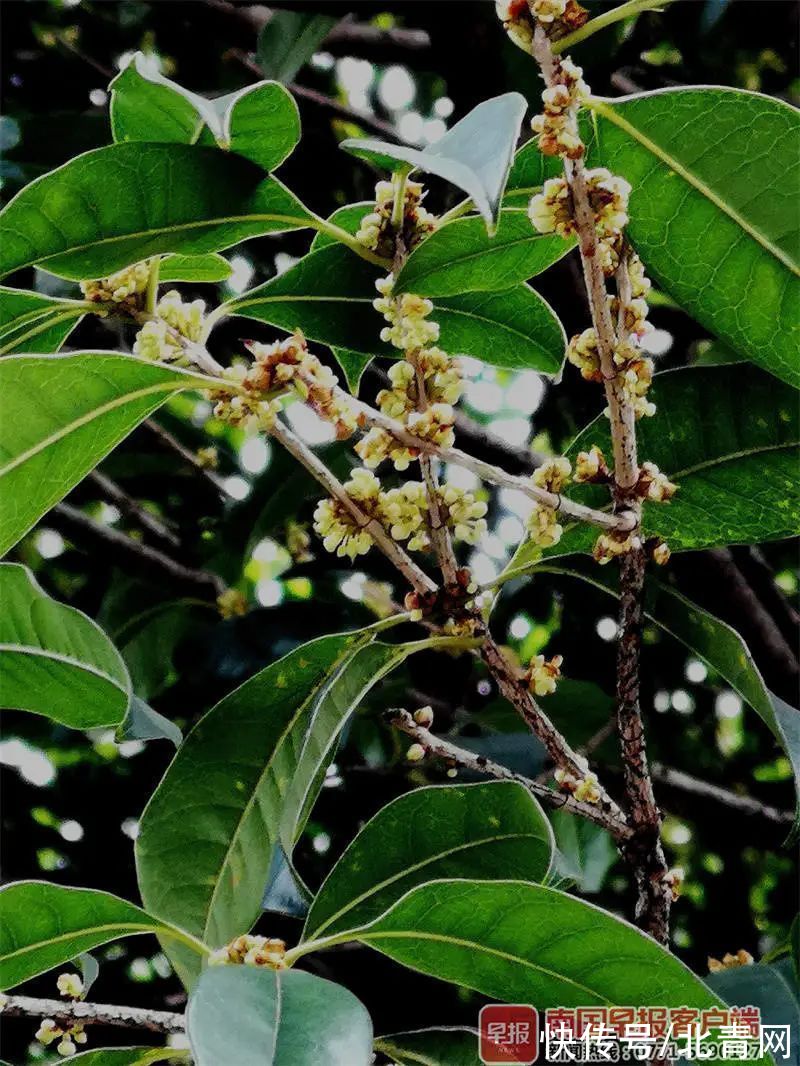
(653, 485)
(543, 524)
(402, 511)
(250, 950)
(339, 529)
(586, 789)
(550, 211)
(377, 232)
(175, 321)
(231, 604)
(50, 1030)
(557, 17)
(543, 674)
(591, 467)
(557, 127)
(126, 288)
(407, 315)
(730, 961)
(611, 544)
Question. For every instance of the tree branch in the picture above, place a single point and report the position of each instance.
(417, 578)
(742, 804)
(157, 1021)
(131, 555)
(172, 444)
(469, 760)
(132, 509)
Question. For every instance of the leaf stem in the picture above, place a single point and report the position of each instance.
(343, 237)
(608, 18)
(151, 295)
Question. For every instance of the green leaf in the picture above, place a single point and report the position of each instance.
(434, 1047)
(114, 206)
(460, 257)
(585, 851)
(475, 154)
(712, 211)
(728, 436)
(143, 723)
(713, 641)
(288, 41)
(43, 925)
(201, 268)
(30, 322)
(253, 1016)
(495, 830)
(771, 989)
(353, 365)
(260, 122)
(347, 218)
(60, 415)
(129, 1056)
(522, 943)
(250, 769)
(54, 660)
(148, 107)
(531, 169)
(329, 295)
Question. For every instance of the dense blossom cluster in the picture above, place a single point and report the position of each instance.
(126, 288)
(403, 511)
(557, 17)
(70, 986)
(729, 961)
(250, 950)
(543, 524)
(556, 128)
(377, 231)
(163, 337)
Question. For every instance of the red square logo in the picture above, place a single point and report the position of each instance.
(508, 1033)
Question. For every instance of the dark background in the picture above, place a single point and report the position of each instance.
(741, 883)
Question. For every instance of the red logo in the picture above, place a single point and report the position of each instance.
(509, 1033)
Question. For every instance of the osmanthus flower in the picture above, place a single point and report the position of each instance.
(175, 321)
(591, 466)
(730, 961)
(543, 525)
(583, 352)
(556, 127)
(586, 788)
(70, 985)
(543, 674)
(612, 544)
(377, 231)
(653, 485)
(404, 512)
(249, 950)
(125, 288)
(465, 514)
(338, 528)
(520, 17)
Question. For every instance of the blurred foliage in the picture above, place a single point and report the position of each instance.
(71, 801)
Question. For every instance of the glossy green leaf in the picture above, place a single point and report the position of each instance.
(353, 365)
(143, 723)
(260, 122)
(485, 831)
(475, 154)
(250, 769)
(129, 1056)
(435, 1047)
(288, 41)
(714, 172)
(44, 925)
(460, 257)
(145, 106)
(202, 268)
(30, 322)
(114, 206)
(524, 943)
(530, 170)
(585, 851)
(770, 988)
(60, 415)
(54, 660)
(329, 295)
(253, 1016)
(728, 436)
(713, 641)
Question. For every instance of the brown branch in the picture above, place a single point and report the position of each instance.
(469, 760)
(417, 578)
(746, 805)
(157, 1021)
(133, 510)
(131, 555)
(172, 444)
